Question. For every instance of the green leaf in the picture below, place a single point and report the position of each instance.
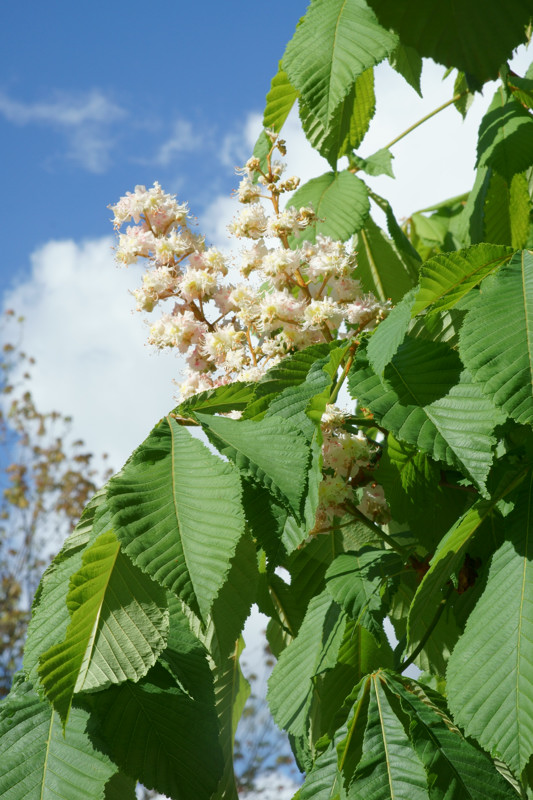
(424, 401)
(40, 760)
(448, 558)
(522, 88)
(313, 651)
(382, 268)
(336, 41)
(389, 334)
(505, 136)
(120, 787)
(159, 735)
(476, 37)
(402, 243)
(407, 62)
(389, 766)
(460, 86)
(490, 675)
(349, 124)
(340, 201)
(500, 354)
(357, 581)
(50, 617)
(279, 101)
(118, 627)
(271, 452)
(177, 513)
(324, 781)
(458, 770)
(380, 163)
(232, 397)
(447, 277)
(507, 211)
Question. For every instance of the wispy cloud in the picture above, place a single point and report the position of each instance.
(181, 138)
(85, 119)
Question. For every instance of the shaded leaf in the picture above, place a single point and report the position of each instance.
(382, 268)
(408, 63)
(505, 136)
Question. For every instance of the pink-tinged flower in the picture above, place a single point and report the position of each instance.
(252, 258)
(318, 312)
(194, 383)
(177, 330)
(373, 503)
(251, 222)
(248, 192)
(197, 284)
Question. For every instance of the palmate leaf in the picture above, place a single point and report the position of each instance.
(476, 37)
(340, 201)
(458, 770)
(382, 268)
(424, 401)
(119, 623)
(500, 354)
(447, 277)
(177, 513)
(490, 674)
(357, 581)
(158, 734)
(505, 136)
(388, 767)
(271, 451)
(313, 651)
(348, 125)
(41, 760)
(336, 41)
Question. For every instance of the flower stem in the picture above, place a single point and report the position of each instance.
(354, 511)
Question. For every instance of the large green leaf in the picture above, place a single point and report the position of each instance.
(382, 268)
(40, 760)
(496, 345)
(349, 124)
(389, 766)
(358, 581)
(158, 734)
(50, 617)
(447, 277)
(336, 41)
(177, 513)
(313, 651)
(424, 401)
(118, 627)
(271, 452)
(340, 201)
(505, 136)
(458, 770)
(490, 674)
(389, 334)
(476, 37)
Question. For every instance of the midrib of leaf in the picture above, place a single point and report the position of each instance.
(353, 725)
(183, 539)
(528, 340)
(84, 668)
(410, 391)
(48, 741)
(384, 735)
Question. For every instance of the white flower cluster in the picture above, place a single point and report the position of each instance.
(231, 332)
(291, 297)
(346, 461)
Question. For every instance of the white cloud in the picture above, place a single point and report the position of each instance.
(83, 118)
(182, 139)
(92, 361)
